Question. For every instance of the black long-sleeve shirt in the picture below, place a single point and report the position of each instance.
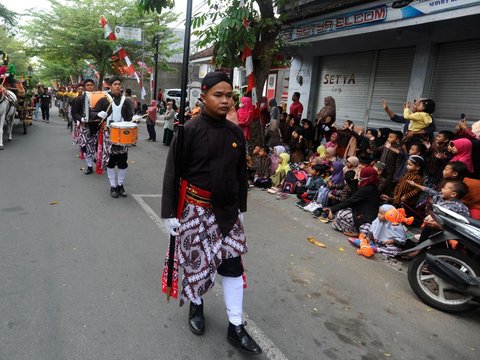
(214, 159)
(103, 105)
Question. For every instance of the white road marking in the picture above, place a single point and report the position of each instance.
(271, 351)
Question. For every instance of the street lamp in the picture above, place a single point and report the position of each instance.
(30, 70)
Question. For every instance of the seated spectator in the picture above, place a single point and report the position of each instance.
(358, 211)
(449, 198)
(333, 141)
(335, 183)
(462, 151)
(263, 169)
(404, 154)
(438, 156)
(389, 238)
(382, 180)
(406, 195)
(314, 182)
(389, 155)
(297, 147)
(282, 169)
(275, 158)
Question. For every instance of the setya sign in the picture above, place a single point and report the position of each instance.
(128, 33)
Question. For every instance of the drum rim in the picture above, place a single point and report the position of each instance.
(126, 125)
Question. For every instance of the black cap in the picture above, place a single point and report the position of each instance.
(213, 78)
(113, 78)
(88, 81)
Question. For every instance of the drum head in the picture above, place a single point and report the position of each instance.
(123, 125)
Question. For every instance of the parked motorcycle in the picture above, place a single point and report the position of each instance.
(446, 273)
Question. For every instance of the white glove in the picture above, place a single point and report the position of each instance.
(172, 224)
(78, 123)
(240, 216)
(102, 114)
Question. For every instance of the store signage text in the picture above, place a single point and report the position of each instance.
(342, 22)
(342, 79)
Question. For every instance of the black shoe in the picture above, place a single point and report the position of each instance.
(239, 337)
(88, 171)
(114, 192)
(196, 319)
(317, 212)
(121, 191)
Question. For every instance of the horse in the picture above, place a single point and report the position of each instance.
(8, 104)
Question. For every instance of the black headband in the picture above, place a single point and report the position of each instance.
(213, 78)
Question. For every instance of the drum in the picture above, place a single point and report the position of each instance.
(123, 133)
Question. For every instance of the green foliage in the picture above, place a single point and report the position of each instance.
(230, 27)
(8, 17)
(15, 50)
(154, 5)
(70, 33)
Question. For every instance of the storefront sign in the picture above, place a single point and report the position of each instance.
(392, 11)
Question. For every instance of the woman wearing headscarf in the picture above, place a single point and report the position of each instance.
(325, 119)
(275, 158)
(356, 214)
(274, 110)
(151, 121)
(462, 151)
(245, 116)
(282, 169)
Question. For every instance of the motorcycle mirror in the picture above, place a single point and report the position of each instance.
(441, 209)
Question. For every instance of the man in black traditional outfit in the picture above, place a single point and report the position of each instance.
(88, 135)
(210, 232)
(114, 107)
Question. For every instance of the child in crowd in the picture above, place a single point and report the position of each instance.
(275, 158)
(449, 198)
(404, 193)
(415, 148)
(390, 238)
(314, 182)
(389, 153)
(289, 129)
(462, 151)
(297, 147)
(333, 143)
(348, 189)
(382, 180)
(308, 133)
(437, 156)
(263, 169)
(421, 116)
(334, 184)
(282, 169)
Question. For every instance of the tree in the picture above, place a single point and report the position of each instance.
(9, 17)
(69, 33)
(230, 27)
(15, 50)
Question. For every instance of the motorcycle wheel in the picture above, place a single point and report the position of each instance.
(436, 292)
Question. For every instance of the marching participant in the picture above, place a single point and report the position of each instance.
(88, 127)
(211, 237)
(114, 107)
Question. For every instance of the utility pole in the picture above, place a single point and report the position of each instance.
(155, 57)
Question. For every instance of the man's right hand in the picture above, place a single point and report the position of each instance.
(172, 224)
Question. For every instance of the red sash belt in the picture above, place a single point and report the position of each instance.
(194, 195)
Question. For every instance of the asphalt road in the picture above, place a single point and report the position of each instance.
(80, 274)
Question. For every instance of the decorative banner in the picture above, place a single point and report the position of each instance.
(122, 54)
(128, 33)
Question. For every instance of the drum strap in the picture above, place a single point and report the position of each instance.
(116, 115)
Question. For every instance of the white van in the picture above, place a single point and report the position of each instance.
(174, 94)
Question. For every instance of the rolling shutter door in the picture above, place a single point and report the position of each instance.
(392, 80)
(456, 83)
(346, 78)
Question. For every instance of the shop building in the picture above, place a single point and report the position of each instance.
(367, 51)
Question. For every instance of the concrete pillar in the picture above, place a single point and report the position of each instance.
(422, 70)
(301, 80)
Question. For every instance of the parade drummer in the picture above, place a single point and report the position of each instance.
(114, 107)
(88, 137)
(211, 237)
